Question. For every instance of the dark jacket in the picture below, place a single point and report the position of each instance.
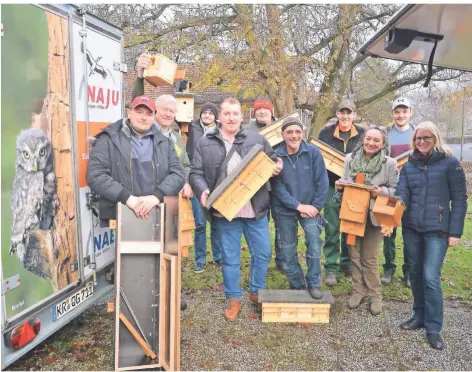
(304, 181)
(109, 173)
(330, 136)
(435, 195)
(254, 125)
(195, 132)
(210, 154)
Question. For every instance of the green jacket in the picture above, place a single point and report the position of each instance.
(138, 90)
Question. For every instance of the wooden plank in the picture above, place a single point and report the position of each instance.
(300, 296)
(179, 75)
(164, 327)
(295, 305)
(141, 342)
(117, 280)
(140, 247)
(174, 314)
(137, 368)
(186, 239)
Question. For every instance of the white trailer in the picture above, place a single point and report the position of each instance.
(61, 82)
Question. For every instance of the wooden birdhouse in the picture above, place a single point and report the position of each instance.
(273, 132)
(185, 107)
(388, 212)
(354, 208)
(186, 225)
(161, 72)
(240, 186)
(401, 160)
(334, 159)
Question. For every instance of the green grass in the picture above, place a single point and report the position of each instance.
(456, 275)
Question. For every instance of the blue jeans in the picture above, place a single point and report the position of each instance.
(287, 228)
(257, 237)
(426, 252)
(200, 246)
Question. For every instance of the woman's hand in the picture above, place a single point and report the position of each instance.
(452, 242)
(376, 191)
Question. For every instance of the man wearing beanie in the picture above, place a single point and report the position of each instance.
(298, 195)
(264, 115)
(344, 136)
(197, 129)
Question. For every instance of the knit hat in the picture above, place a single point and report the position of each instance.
(291, 121)
(210, 106)
(263, 103)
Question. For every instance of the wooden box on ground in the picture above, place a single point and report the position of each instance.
(334, 159)
(161, 72)
(147, 290)
(273, 132)
(240, 186)
(185, 107)
(289, 305)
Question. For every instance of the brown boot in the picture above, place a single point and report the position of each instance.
(376, 306)
(254, 299)
(232, 309)
(355, 300)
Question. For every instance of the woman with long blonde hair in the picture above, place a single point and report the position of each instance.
(432, 185)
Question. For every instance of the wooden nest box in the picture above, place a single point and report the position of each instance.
(185, 107)
(388, 211)
(161, 72)
(354, 208)
(240, 186)
(334, 159)
(273, 132)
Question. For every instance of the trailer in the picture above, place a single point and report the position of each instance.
(61, 83)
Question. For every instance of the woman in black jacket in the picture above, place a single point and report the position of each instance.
(433, 187)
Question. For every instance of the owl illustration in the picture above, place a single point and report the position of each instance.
(34, 196)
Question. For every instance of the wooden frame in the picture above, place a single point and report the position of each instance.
(334, 159)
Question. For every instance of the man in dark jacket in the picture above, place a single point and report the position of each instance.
(206, 175)
(197, 129)
(133, 163)
(264, 115)
(344, 136)
(298, 195)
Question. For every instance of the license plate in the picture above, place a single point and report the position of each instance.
(71, 302)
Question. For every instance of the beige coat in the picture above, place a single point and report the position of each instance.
(386, 178)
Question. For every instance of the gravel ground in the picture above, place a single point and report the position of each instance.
(353, 340)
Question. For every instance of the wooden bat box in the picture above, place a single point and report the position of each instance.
(388, 211)
(273, 132)
(334, 159)
(185, 106)
(186, 225)
(401, 160)
(240, 186)
(161, 72)
(283, 306)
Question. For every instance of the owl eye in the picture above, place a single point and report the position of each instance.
(42, 152)
(26, 154)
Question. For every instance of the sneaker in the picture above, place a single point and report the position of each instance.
(387, 278)
(331, 280)
(346, 270)
(232, 309)
(376, 306)
(199, 268)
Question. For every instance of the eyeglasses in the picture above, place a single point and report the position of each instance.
(424, 138)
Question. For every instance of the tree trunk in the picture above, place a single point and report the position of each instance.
(57, 99)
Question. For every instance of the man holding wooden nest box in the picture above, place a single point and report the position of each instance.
(220, 157)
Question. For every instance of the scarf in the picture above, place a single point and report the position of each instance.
(360, 164)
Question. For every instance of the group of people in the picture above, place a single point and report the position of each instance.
(141, 158)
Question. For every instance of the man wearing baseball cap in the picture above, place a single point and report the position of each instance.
(399, 136)
(298, 195)
(197, 129)
(132, 162)
(344, 136)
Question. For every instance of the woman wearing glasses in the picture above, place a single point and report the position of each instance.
(381, 172)
(433, 187)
